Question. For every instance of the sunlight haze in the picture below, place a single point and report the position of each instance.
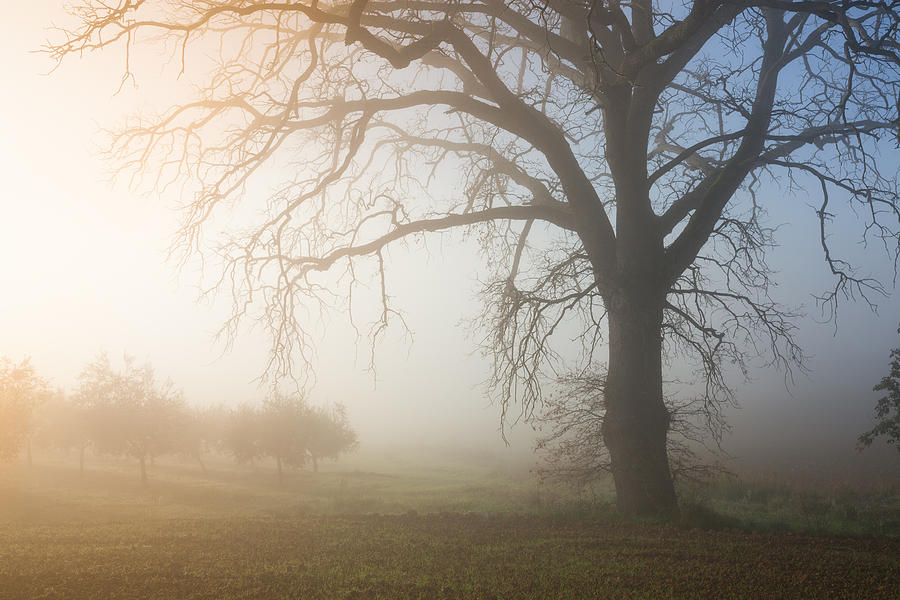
(458, 300)
(85, 271)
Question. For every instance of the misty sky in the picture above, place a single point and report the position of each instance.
(83, 270)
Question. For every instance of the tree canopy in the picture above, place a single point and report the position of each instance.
(129, 412)
(21, 393)
(614, 159)
(330, 434)
(289, 430)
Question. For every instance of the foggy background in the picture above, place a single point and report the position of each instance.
(83, 270)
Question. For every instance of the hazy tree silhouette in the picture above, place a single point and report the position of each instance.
(278, 429)
(21, 393)
(241, 437)
(204, 429)
(614, 160)
(290, 431)
(330, 434)
(284, 431)
(887, 409)
(64, 423)
(130, 413)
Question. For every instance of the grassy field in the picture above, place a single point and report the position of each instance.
(393, 527)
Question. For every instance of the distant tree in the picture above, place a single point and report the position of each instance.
(290, 431)
(130, 413)
(329, 433)
(887, 409)
(204, 429)
(241, 436)
(64, 424)
(21, 393)
(284, 430)
(614, 159)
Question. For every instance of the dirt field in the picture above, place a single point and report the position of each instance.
(352, 533)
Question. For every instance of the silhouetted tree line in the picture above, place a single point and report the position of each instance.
(129, 413)
(290, 431)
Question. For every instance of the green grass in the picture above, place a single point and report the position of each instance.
(384, 484)
(432, 556)
(392, 527)
(773, 505)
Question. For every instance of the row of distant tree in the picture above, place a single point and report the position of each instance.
(129, 413)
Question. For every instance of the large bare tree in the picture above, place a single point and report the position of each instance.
(614, 159)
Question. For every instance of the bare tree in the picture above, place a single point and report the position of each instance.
(612, 158)
(571, 421)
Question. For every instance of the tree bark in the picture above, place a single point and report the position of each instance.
(636, 422)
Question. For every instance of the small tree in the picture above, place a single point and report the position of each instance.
(130, 413)
(284, 431)
(21, 392)
(887, 409)
(241, 437)
(203, 430)
(330, 434)
(64, 424)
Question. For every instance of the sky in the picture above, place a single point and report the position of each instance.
(83, 270)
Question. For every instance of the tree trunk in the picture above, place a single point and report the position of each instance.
(280, 476)
(143, 470)
(636, 423)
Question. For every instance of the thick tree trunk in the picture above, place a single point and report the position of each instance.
(637, 422)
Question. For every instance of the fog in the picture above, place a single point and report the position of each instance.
(85, 270)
